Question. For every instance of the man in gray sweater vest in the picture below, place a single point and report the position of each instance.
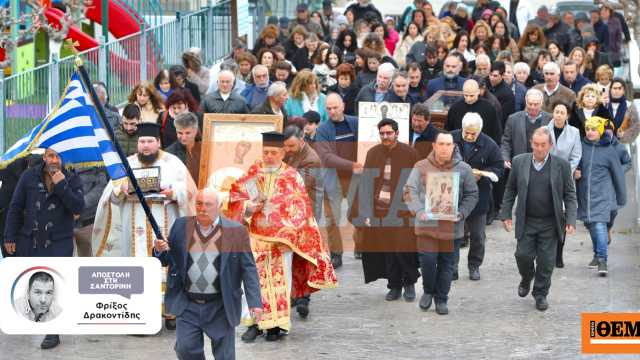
(542, 183)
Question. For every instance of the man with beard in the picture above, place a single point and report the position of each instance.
(431, 65)
(451, 80)
(502, 91)
(472, 102)
(40, 221)
(287, 238)
(483, 64)
(389, 243)
(127, 132)
(121, 215)
(300, 156)
(256, 93)
(552, 90)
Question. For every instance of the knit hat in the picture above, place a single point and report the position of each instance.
(386, 20)
(596, 122)
(342, 20)
(273, 20)
(487, 12)
(462, 7)
(588, 27)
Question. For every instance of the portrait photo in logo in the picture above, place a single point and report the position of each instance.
(36, 294)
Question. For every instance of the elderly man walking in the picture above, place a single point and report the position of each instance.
(274, 103)
(552, 90)
(542, 183)
(224, 100)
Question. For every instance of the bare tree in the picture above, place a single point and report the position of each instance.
(76, 11)
(631, 11)
(8, 43)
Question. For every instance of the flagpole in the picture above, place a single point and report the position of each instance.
(107, 125)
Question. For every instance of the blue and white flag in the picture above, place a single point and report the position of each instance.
(75, 131)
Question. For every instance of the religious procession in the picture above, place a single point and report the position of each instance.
(350, 159)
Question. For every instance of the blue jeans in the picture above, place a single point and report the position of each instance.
(599, 238)
(437, 271)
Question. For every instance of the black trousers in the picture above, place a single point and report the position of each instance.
(477, 225)
(498, 190)
(539, 244)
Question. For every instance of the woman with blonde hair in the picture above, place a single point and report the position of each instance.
(447, 33)
(432, 35)
(588, 103)
(531, 42)
(150, 102)
(481, 33)
(604, 74)
(579, 56)
(305, 95)
(375, 43)
(361, 28)
(410, 37)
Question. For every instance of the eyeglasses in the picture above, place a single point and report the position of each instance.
(388, 133)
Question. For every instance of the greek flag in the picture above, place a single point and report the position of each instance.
(75, 131)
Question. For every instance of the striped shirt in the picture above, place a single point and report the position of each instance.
(384, 197)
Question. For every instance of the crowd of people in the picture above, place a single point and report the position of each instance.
(538, 84)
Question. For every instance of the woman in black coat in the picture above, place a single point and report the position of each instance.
(303, 58)
(345, 74)
(347, 42)
(589, 100)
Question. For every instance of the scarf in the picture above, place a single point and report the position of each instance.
(165, 95)
(409, 17)
(622, 110)
(309, 104)
(173, 114)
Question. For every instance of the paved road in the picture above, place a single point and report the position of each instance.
(353, 321)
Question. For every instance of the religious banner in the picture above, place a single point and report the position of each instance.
(441, 195)
(231, 144)
(370, 114)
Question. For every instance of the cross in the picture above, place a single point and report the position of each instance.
(72, 45)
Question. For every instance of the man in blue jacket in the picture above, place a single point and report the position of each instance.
(213, 257)
(337, 142)
(572, 78)
(451, 80)
(256, 93)
(480, 152)
(40, 221)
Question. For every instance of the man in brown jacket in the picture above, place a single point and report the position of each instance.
(552, 90)
(300, 156)
(442, 222)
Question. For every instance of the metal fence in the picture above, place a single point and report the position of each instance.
(29, 96)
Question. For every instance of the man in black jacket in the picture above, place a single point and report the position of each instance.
(472, 102)
(556, 29)
(431, 65)
(481, 153)
(224, 100)
(362, 7)
(422, 133)
(389, 242)
(502, 91)
(274, 103)
(181, 74)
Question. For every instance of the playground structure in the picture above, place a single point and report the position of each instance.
(139, 52)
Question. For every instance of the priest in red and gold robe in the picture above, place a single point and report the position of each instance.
(291, 257)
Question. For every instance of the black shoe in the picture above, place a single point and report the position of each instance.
(442, 309)
(50, 341)
(474, 274)
(464, 242)
(425, 301)
(336, 262)
(541, 303)
(409, 292)
(251, 333)
(357, 255)
(303, 309)
(170, 324)
(455, 276)
(524, 287)
(490, 218)
(394, 294)
(602, 266)
(273, 334)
